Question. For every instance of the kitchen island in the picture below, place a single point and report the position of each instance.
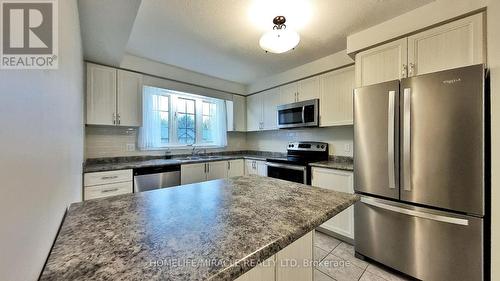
(215, 230)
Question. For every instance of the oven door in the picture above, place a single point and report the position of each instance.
(299, 114)
(287, 172)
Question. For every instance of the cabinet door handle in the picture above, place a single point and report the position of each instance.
(228, 165)
(109, 190)
(208, 168)
(412, 69)
(118, 121)
(108, 177)
(114, 119)
(404, 71)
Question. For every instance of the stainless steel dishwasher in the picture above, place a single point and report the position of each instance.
(150, 178)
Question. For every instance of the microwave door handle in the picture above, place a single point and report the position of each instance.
(304, 114)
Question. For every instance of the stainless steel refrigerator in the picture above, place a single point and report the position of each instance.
(419, 164)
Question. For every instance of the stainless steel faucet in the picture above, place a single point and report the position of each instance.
(195, 152)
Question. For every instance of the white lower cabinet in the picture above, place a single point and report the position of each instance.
(342, 181)
(292, 263)
(235, 168)
(105, 184)
(217, 170)
(106, 190)
(265, 271)
(255, 167)
(199, 172)
(193, 173)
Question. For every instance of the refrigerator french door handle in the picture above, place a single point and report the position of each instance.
(414, 213)
(407, 140)
(390, 138)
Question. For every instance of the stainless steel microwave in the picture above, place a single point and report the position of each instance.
(299, 114)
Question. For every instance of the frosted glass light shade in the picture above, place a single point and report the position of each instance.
(279, 40)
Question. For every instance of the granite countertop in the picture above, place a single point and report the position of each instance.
(213, 230)
(333, 164)
(100, 166)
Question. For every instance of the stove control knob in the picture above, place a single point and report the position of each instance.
(317, 146)
(322, 146)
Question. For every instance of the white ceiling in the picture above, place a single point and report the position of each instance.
(220, 37)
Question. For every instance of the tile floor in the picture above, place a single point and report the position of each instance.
(337, 263)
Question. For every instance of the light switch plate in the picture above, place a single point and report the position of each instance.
(130, 146)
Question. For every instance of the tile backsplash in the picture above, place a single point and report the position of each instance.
(339, 139)
(103, 141)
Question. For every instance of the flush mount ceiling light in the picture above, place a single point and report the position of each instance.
(280, 39)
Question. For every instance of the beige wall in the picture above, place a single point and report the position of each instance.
(336, 137)
(494, 65)
(179, 74)
(112, 142)
(41, 121)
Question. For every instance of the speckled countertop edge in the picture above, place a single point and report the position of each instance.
(333, 165)
(296, 227)
(113, 166)
(123, 163)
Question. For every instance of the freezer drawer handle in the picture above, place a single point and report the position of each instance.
(406, 140)
(390, 138)
(415, 213)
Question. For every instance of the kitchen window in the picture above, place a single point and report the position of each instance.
(173, 119)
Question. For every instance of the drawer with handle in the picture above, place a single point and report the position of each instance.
(100, 191)
(97, 178)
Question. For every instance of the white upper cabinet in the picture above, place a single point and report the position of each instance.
(383, 63)
(101, 95)
(302, 90)
(342, 181)
(288, 93)
(270, 102)
(129, 99)
(254, 112)
(239, 113)
(455, 44)
(114, 97)
(261, 110)
(336, 90)
(308, 89)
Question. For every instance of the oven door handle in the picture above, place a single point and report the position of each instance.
(284, 166)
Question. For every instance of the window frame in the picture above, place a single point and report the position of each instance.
(173, 96)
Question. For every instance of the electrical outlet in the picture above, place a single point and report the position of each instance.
(347, 147)
(130, 146)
